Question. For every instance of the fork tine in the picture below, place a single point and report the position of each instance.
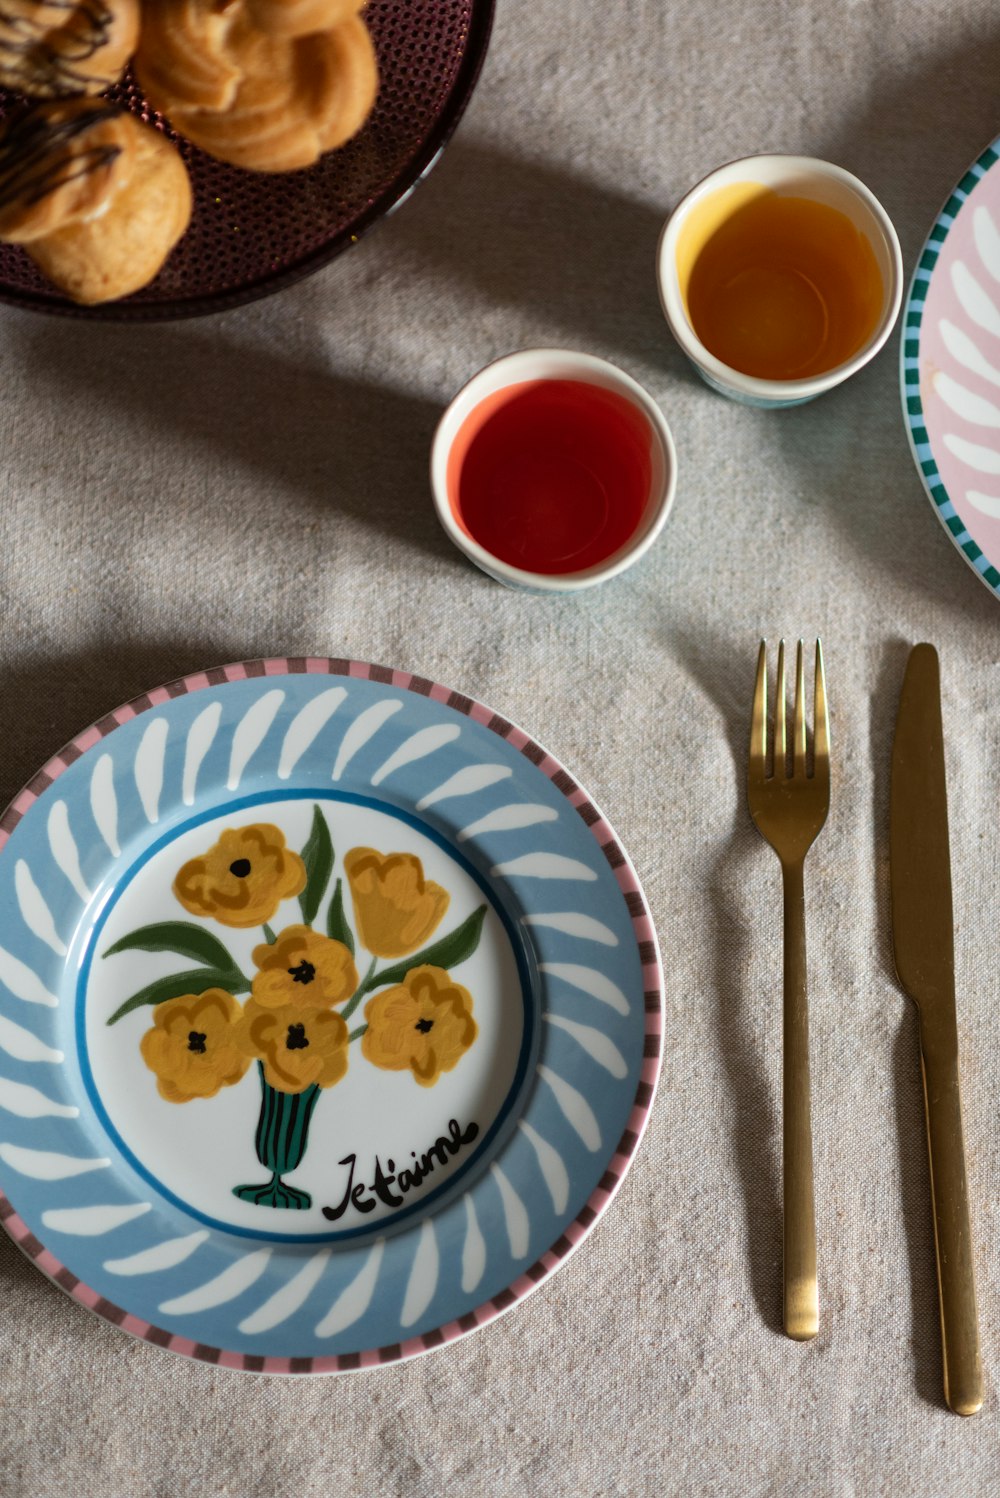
(780, 735)
(799, 734)
(821, 730)
(758, 719)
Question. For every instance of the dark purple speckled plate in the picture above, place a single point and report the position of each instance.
(253, 233)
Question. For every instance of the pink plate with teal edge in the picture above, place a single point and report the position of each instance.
(950, 366)
(330, 1016)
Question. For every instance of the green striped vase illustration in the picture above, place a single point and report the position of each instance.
(282, 1135)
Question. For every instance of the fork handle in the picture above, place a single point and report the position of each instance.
(801, 1298)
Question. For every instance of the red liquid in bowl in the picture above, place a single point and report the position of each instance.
(552, 476)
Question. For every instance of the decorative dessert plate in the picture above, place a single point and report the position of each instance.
(330, 1016)
(951, 366)
(252, 233)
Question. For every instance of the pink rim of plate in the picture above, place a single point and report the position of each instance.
(645, 935)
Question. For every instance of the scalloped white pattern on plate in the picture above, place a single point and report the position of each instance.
(950, 369)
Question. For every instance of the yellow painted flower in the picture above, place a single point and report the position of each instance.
(424, 1024)
(243, 879)
(297, 1046)
(303, 969)
(395, 907)
(193, 1046)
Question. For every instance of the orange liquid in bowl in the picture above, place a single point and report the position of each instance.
(780, 288)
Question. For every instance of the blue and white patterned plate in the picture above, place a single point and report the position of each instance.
(330, 1016)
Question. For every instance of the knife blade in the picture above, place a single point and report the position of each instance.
(924, 955)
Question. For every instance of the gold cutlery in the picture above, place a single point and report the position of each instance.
(789, 806)
(923, 950)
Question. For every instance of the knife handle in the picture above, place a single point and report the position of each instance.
(801, 1295)
(963, 1374)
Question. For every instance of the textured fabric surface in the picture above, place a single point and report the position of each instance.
(175, 497)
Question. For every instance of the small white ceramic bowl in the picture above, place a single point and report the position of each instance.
(556, 364)
(804, 177)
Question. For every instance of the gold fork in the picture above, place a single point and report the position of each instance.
(789, 809)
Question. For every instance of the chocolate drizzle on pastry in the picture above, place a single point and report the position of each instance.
(37, 156)
(44, 46)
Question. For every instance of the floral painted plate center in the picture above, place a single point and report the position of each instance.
(270, 1025)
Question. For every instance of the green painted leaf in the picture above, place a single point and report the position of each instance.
(194, 980)
(337, 924)
(269, 935)
(317, 855)
(448, 952)
(367, 982)
(183, 937)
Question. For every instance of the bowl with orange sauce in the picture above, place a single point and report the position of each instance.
(780, 276)
(553, 470)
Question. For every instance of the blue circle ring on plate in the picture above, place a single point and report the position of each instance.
(284, 1178)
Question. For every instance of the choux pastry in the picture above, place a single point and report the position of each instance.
(54, 48)
(269, 101)
(60, 162)
(300, 17)
(97, 198)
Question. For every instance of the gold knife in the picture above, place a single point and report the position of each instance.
(923, 949)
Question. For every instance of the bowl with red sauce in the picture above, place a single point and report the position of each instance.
(553, 470)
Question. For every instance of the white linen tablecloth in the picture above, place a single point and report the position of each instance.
(255, 483)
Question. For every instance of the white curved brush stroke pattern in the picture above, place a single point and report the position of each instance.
(572, 923)
(509, 819)
(541, 865)
(466, 782)
(25, 1101)
(23, 982)
(92, 1222)
(222, 1288)
(307, 724)
(48, 1165)
(64, 849)
(974, 299)
(473, 1250)
(988, 503)
(35, 913)
(575, 1108)
(973, 454)
(423, 1279)
(987, 240)
(966, 352)
(589, 981)
(355, 1298)
(149, 767)
(596, 1044)
(287, 1300)
(104, 803)
(973, 408)
(550, 1162)
(515, 1215)
(160, 1257)
(966, 346)
(199, 740)
(364, 727)
(23, 1045)
(425, 741)
(251, 732)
